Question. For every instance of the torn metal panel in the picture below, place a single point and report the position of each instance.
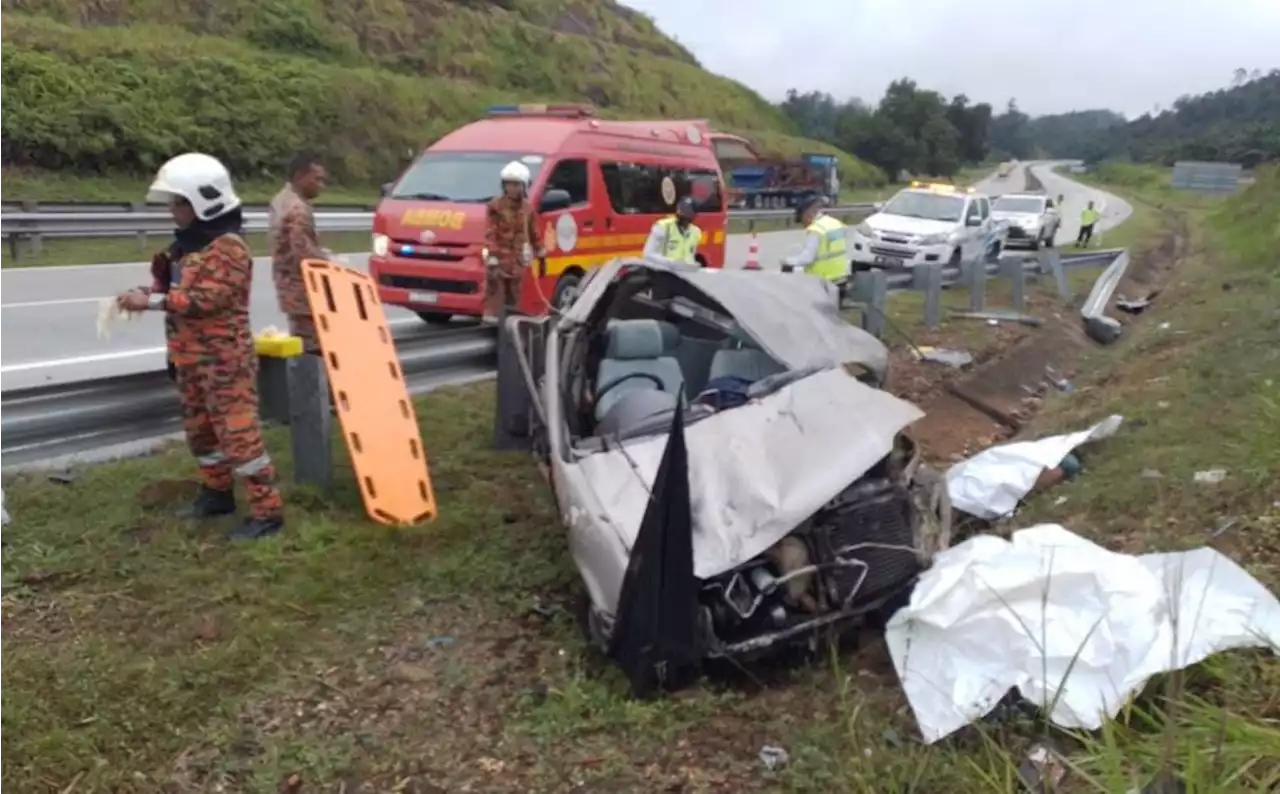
(756, 472)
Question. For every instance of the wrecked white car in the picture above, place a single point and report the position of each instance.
(732, 477)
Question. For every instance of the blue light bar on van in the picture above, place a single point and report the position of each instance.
(563, 111)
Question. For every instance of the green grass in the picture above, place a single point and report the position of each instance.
(145, 654)
(41, 185)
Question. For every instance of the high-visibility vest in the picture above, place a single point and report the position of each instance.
(681, 246)
(831, 263)
(1088, 217)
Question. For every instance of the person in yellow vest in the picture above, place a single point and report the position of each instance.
(824, 253)
(1088, 217)
(674, 239)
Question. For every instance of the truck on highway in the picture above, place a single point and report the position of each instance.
(924, 224)
(756, 182)
(597, 188)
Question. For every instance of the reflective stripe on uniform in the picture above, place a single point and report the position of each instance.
(211, 459)
(254, 466)
(680, 247)
(831, 262)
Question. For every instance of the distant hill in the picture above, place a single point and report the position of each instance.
(1068, 134)
(112, 87)
(1238, 124)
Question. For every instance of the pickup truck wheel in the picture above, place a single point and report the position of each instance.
(1049, 239)
(435, 318)
(1035, 244)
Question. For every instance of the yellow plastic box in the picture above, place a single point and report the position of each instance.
(281, 346)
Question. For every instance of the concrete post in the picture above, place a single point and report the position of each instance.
(310, 420)
(871, 290)
(1016, 272)
(928, 279)
(978, 283)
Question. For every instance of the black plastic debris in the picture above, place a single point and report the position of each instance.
(655, 638)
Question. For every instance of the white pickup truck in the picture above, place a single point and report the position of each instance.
(924, 224)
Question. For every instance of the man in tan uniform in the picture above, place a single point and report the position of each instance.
(293, 239)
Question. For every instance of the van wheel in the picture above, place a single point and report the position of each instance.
(566, 291)
(435, 318)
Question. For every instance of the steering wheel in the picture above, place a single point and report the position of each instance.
(654, 379)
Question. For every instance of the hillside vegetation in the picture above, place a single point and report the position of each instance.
(97, 86)
(1239, 124)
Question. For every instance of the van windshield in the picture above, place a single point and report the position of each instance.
(459, 176)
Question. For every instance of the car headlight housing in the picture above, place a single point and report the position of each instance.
(381, 244)
(865, 229)
(935, 239)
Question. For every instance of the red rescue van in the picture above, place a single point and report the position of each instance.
(597, 187)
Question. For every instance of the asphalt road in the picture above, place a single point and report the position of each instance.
(48, 322)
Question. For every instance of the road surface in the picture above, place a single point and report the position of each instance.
(48, 326)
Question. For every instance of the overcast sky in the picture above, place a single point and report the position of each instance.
(1052, 55)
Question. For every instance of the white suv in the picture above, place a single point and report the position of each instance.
(924, 224)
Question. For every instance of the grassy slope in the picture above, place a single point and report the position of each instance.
(390, 81)
(348, 652)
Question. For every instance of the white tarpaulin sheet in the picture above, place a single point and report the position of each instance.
(757, 471)
(990, 484)
(1049, 611)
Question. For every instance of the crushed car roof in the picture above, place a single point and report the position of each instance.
(793, 316)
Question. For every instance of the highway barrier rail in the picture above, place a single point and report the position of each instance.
(46, 422)
(32, 223)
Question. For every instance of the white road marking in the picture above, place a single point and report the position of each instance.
(116, 355)
(64, 302)
(74, 360)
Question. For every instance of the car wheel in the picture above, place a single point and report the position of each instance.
(566, 291)
(436, 318)
(1049, 241)
(1035, 244)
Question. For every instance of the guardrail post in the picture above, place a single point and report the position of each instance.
(140, 206)
(1017, 275)
(928, 279)
(310, 420)
(871, 292)
(977, 278)
(1051, 263)
(35, 240)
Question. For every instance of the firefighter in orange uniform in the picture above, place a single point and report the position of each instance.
(210, 343)
(510, 241)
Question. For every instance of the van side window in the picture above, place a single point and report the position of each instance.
(636, 188)
(570, 176)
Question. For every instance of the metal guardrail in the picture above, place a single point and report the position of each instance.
(69, 220)
(36, 423)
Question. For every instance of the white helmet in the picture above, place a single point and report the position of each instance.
(515, 171)
(200, 179)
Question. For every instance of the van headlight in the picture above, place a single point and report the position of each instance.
(381, 244)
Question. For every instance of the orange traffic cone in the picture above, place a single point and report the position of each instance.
(753, 254)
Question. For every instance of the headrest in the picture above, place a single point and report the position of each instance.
(635, 339)
(671, 336)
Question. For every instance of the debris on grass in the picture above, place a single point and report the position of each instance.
(995, 318)
(1073, 627)
(992, 483)
(1210, 476)
(956, 359)
(774, 758)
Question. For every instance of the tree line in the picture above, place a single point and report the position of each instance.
(919, 131)
(912, 129)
